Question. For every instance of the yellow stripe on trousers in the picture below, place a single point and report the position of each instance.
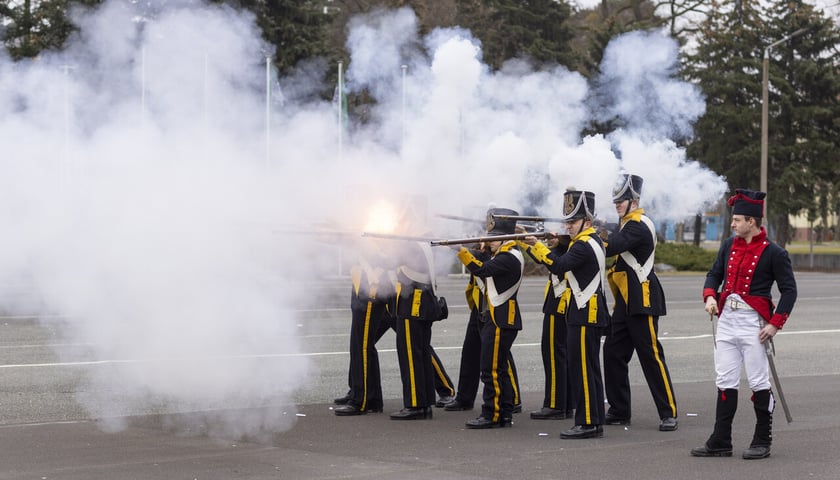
(410, 364)
(513, 383)
(662, 372)
(495, 375)
(441, 376)
(588, 407)
(552, 396)
(365, 354)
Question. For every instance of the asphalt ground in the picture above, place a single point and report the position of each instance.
(46, 434)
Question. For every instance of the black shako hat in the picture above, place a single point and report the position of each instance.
(628, 187)
(747, 202)
(501, 226)
(578, 204)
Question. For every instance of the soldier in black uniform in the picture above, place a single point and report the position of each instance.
(557, 403)
(502, 274)
(372, 292)
(416, 307)
(470, 370)
(639, 302)
(583, 305)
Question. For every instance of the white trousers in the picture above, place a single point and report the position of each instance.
(737, 343)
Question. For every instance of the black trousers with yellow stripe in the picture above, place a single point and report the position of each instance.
(367, 326)
(555, 363)
(469, 372)
(364, 378)
(498, 393)
(414, 351)
(637, 333)
(443, 384)
(584, 348)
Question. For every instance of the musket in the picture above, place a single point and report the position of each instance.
(492, 238)
(394, 236)
(460, 219)
(529, 218)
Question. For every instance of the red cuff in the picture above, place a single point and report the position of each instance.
(778, 320)
(709, 292)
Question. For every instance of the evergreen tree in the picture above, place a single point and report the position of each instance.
(536, 29)
(31, 26)
(804, 132)
(727, 65)
(296, 28)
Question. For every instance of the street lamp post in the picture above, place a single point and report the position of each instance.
(764, 110)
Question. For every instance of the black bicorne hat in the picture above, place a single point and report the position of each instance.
(578, 204)
(628, 187)
(747, 202)
(501, 226)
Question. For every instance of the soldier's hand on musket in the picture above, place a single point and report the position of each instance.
(711, 305)
(767, 333)
(530, 240)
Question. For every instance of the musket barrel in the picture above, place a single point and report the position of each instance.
(491, 238)
(393, 236)
(529, 218)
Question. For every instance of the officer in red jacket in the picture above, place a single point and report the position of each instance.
(738, 289)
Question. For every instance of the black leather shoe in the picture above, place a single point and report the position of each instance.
(456, 406)
(755, 453)
(546, 413)
(517, 408)
(611, 419)
(418, 413)
(442, 401)
(705, 451)
(583, 431)
(668, 424)
(342, 400)
(481, 422)
(350, 409)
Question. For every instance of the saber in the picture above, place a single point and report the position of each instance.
(714, 329)
(491, 238)
(771, 353)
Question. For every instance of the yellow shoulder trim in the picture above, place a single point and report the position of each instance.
(508, 246)
(635, 215)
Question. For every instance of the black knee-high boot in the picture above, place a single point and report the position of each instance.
(719, 443)
(762, 438)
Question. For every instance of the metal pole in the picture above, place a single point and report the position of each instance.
(267, 111)
(764, 127)
(340, 112)
(402, 137)
(764, 114)
(143, 87)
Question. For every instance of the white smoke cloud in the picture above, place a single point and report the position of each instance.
(638, 88)
(144, 190)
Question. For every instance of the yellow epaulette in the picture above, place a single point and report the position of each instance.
(507, 246)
